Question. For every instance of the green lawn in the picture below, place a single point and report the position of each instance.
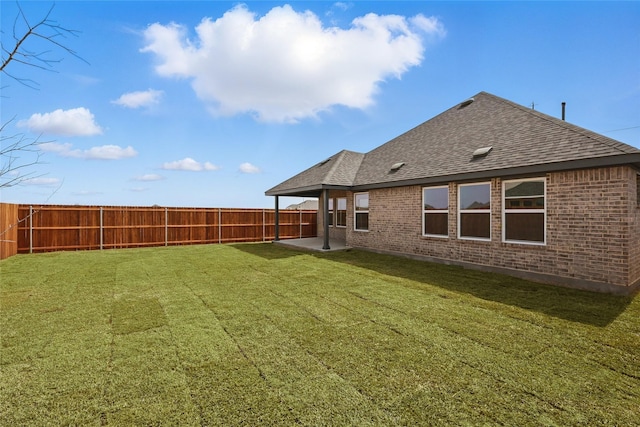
(256, 334)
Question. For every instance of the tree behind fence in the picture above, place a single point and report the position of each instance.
(58, 227)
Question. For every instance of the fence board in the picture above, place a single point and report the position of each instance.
(8, 230)
(60, 227)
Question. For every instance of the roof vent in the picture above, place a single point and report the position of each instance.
(466, 103)
(396, 166)
(481, 152)
(324, 162)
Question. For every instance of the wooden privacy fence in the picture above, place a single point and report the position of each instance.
(57, 227)
(8, 230)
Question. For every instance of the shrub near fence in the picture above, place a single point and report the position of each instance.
(57, 227)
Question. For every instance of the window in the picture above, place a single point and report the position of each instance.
(341, 212)
(435, 210)
(524, 211)
(361, 203)
(638, 189)
(330, 213)
(474, 212)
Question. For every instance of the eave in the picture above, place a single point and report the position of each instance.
(520, 171)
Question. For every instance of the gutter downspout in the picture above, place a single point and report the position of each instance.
(325, 218)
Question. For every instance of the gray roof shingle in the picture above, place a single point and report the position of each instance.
(338, 170)
(522, 140)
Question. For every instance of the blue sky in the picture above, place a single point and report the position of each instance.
(212, 103)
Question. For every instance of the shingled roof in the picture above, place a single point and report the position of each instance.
(338, 171)
(521, 141)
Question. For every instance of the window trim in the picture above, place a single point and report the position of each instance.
(474, 211)
(338, 210)
(355, 211)
(434, 211)
(542, 211)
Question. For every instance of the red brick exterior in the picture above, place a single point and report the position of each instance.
(592, 231)
(634, 229)
(337, 233)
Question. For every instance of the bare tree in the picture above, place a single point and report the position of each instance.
(17, 151)
(22, 32)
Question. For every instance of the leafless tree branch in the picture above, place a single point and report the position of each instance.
(19, 153)
(45, 29)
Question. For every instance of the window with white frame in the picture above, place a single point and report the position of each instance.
(435, 211)
(474, 211)
(361, 207)
(330, 212)
(341, 212)
(524, 211)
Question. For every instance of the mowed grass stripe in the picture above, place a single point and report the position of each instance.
(258, 334)
(393, 345)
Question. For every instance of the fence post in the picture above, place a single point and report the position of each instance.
(101, 227)
(219, 226)
(300, 221)
(166, 226)
(31, 229)
(264, 232)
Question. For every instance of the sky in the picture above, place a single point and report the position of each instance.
(211, 103)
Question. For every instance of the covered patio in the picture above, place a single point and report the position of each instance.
(313, 244)
(335, 173)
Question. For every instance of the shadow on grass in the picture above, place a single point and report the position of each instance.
(267, 250)
(569, 304)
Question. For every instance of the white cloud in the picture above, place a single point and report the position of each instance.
(44, 182)
(149, 177)
(106, 152)
(139, 99)
(74, 122)
(341, 5)
(188, 164)
(286, 65)
(56, 147)
(103, 152)
(249, 168)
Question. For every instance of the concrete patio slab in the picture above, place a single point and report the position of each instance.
(313, 244)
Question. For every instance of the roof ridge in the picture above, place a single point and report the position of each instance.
(332, 169)
(339, 157)
(609, 142)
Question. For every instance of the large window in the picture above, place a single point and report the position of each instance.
(341, 212)
(435, 211)
(361, 204)
(474, 212)
(330, 213)
(524, 211)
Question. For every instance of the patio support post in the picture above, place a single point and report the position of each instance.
(325, 218)
(277, 235)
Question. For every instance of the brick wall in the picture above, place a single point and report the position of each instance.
(634, 207)
(338, 233)
(592, 240)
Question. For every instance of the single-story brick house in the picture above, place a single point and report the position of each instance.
(493, 185)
